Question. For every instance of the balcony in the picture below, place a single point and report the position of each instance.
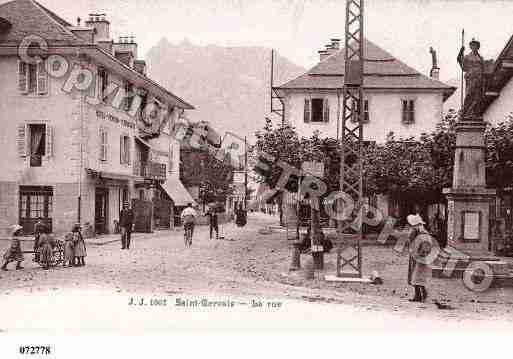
(150, 170)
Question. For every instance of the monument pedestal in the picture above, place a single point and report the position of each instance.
(468, 201)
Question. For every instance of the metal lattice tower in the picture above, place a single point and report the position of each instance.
(349, 258)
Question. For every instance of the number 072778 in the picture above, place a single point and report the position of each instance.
(35, 350)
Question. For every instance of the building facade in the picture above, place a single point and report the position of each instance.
(84, 128)
(397, 99)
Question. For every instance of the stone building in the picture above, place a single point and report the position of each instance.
(83, 127)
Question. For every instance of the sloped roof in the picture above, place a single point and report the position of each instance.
(30, 18)
(381, 70)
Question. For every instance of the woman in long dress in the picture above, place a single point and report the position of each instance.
(46, 244)
(14, 252)
(80, 247)
(69, 250)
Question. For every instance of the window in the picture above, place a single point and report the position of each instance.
(35, 141)
(124, 150)
(316, 110)
(103, 144)
(35, 202)
(37, 144)
(408, 111)
(129, 96)
(356, 111)
(32, 78)
(103, 82)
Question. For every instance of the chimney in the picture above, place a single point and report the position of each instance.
(330, 50)
(101, 25)
(140, 66)
(126, 50)
(323, 54)
(84, 32)
(435, 70)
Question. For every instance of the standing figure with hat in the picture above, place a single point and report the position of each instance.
(213, 221)
(473, 66)
(126, 221)
(14, 253)
(79, 245)
(420, 244)
(46, 244)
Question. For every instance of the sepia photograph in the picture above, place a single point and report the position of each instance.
(241, 166)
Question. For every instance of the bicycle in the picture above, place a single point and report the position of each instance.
(187, 234)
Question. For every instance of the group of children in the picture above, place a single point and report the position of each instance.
(44, 244)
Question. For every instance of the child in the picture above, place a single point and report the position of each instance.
(46, 244)
(80, 248)
(14, 253)
(69, 250)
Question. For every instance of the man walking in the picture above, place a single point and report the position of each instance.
(126, 220)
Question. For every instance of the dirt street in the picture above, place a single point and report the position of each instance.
(247, 268)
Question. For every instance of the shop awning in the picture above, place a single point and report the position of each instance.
(111, 175)
(177, 191)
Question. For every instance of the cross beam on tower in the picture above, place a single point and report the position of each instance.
(349, 258)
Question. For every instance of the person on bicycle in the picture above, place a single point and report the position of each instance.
(188, 217)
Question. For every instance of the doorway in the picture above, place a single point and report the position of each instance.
(100, 210)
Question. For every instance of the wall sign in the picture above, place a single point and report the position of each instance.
(471, 225)
(108, 117)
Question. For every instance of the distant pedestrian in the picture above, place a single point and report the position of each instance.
(79, 246)
(14, 252)
(69, 250)
(240, 216)
(213, 221)
(126, 222)
(38, 229)
(46, 245)
(418, 270)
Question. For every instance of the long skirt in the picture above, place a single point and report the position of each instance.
(80, 249)
(418, 272)
(13, 255)
(69, 251)
(46, 253)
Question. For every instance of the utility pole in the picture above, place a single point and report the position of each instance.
(245, 174)
(351, 166)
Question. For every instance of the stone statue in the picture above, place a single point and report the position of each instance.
(434, 62)
(473, 66)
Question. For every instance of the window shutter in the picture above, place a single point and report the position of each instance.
(42, 79)
(128, 150)
(103, 144)
(326, 116)
(405, 111)
(354, 110)
(366, 115)
(122, 149)
(170, 162)
(307, 110)
(412, 111)
(22, 141)
(22, 77)
(49, 141)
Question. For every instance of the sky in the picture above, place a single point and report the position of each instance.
(297, 29)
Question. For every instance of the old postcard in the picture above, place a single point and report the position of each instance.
(233, 165)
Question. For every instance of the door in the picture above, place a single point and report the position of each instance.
(35, 202)
(143, 211)
(100, 210)
(163, 210)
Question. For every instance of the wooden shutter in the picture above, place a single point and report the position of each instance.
(42, 79)
(103, 144)
(354, 110)
(128, 150)
(170, 161)
(22, 140)
(307, 111)
(366, 115)
(49, 140)
(122, 149)
(412, 111)
(405, 111)
(22, 77)
(326, 108)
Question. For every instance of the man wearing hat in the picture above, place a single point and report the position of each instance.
(473, 66)
(14, 253)
(126, 221)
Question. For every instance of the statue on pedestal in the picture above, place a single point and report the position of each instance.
(473, 66)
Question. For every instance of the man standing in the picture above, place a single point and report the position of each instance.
(213, 221)
(126, 221)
